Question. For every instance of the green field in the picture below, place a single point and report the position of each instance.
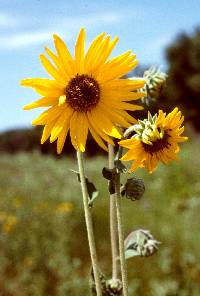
(43, 245)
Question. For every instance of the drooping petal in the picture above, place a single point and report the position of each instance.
(104, 123)
(114, 116)
(97, 138)
(47, 131)
(60, 123)
(62, 137)
(73, 130)
(98, 130)
(82, 131)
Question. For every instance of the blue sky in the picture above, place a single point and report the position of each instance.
(26, 26)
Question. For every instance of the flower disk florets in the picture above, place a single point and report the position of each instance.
(82, 93)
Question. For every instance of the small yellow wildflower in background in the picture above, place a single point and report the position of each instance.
(64, 207)
(9, 223)
(85, 93)
(156, 139)
(28, 261)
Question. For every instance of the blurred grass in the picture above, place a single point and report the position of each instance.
(43, 243)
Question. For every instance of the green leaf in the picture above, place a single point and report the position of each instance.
(108, 174)
(92, 191)
(120, 167)
(140, 243)
(130, 253)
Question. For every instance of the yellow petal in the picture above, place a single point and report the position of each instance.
(64, 55)
(43, 102)
(120, 105)
(98, 131)
(128, 143)
(123, 84)
(45, 87)
(104, 123)
(47, 131)
(60, 123)
(97, 138)
(51, 69)
(58, 63)
(130, 155)
(92, 49)
(48, 115)
(120, 71)
(73, 130)
(136, 164)
(128, 117)
(113, 115)
(82, 131)
(104, 53)
(117, 64)
(79, 52)
(61, 139)
(30, 82)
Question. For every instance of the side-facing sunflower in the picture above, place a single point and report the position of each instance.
(156, 139)
(85, 92)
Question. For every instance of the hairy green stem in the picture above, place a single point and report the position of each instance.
(121, 236)
(89, 225)
(113, 220)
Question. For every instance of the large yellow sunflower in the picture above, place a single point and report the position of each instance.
(85, 92)
(156, 139)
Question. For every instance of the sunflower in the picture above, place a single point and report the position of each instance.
(85, 93)
(156, 139)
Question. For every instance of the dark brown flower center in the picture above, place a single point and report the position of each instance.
(82, 93)
(158, 145)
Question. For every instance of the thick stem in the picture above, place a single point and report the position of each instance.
(89, 226)
(121, 236)
(113, 220)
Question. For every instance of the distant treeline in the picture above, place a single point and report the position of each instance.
(14, 141)
(182, 90)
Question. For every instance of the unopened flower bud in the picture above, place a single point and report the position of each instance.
(154, 82)
(114, 287)
(133, 189)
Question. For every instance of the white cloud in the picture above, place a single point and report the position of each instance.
(70, 25)
(19, 40)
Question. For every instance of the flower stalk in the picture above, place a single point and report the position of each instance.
(121, 236)
(89, 226)
(113, 220)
